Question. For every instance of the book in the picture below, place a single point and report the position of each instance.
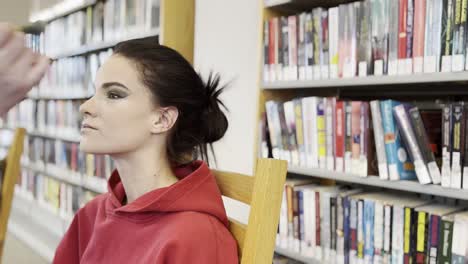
(447, 35)
(409, 137)
(424, 145)
(447, 139)
(379, 139)
(418, 37)
(458, 130)
(364, 53)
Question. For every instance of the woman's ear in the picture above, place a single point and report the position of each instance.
(164, 119)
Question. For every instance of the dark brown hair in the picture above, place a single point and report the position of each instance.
(173, 82)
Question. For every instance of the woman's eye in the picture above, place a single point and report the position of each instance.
(112, 95)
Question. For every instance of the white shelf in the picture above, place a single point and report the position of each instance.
(69, 138)
(408, 186)
(96, 185)
(103, 45)
(294, 255)
(59, 97)
(439, 77)
(36, 226)
(60, 9)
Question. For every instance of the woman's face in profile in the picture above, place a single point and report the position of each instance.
(119, 117)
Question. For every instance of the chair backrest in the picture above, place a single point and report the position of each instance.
(10, 176)
(263, 192)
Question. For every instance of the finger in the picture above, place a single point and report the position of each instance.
(38, 70)
(12, 50)
(6, 32)
(23, 63)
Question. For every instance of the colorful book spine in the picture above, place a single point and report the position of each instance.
(333, 24)
(300, 131)
(348, 137)
(309, 35)
(445, 244)
(434, 238)
(418, 39)
(340, 136)
(447, 139)
(356, 136)
(369, 212)
(402, 35)
(421, 237)
(379, 140)
(353, 225)
(321, 133)
(409, 37)
(330, 131)
(292, 24)
(447, 35)
(325, 63)
(458, 131)
(318, 44)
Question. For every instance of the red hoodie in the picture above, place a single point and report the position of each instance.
(183, 223)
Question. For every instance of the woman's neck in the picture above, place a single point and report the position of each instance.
(142, 171)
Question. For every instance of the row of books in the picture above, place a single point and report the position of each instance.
(53, 117)
(35, 42)
(398, 141)
(63, 199)
(71, 77)
(339, 224)
(105, 21)
(371, 37)
(65, 159)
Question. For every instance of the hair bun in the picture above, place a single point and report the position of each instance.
(214, 120)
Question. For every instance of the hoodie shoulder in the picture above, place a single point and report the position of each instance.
(198, 236)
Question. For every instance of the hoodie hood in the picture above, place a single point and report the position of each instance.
(196, 191)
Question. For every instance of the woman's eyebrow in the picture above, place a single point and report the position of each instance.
(109, 84)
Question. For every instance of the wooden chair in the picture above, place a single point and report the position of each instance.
(263, 192)
(10, 175)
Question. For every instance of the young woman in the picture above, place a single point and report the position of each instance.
(153, 114)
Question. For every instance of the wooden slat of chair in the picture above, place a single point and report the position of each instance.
(10, 177)
(263, 192)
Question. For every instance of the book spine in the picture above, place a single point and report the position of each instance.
(356, 136)
(330, 132)
(352, 41)
(284, 220)
(429, 37)
(409, 37)
(340, 238)
(378, 232)
(360, 230)
(423, 143)
(285, 47)
(447, 40)
(333, 228)
(465, 158)
(408, 245)
(285, 135)
(334, 39)
(300, 201)
(421, 238)
(340, 135)
(266, 51)
(434, 238)
(411, 143)
(398, 235)
(292, 23)
(393, 33)
(347, 229)
(348, 137)
(402, 35)
(309, 31)
(342, 44)
(364, 144)
(390, 138)
(291, 131)
(458, 36)
(314, 131)
(321, 132)
(296, 228)
(379, 139)
(446, 145)
(368, 231)
(305, 222)
(289, 199)
(301, 50)
(463, 32)
(387, 244)
(325, 64)
(459, 241)
(300, 131)
(318, 226)
(418, 40)
(457, 132)
(353, 225)
(278, 69)
(445, 245)
(318, 52)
